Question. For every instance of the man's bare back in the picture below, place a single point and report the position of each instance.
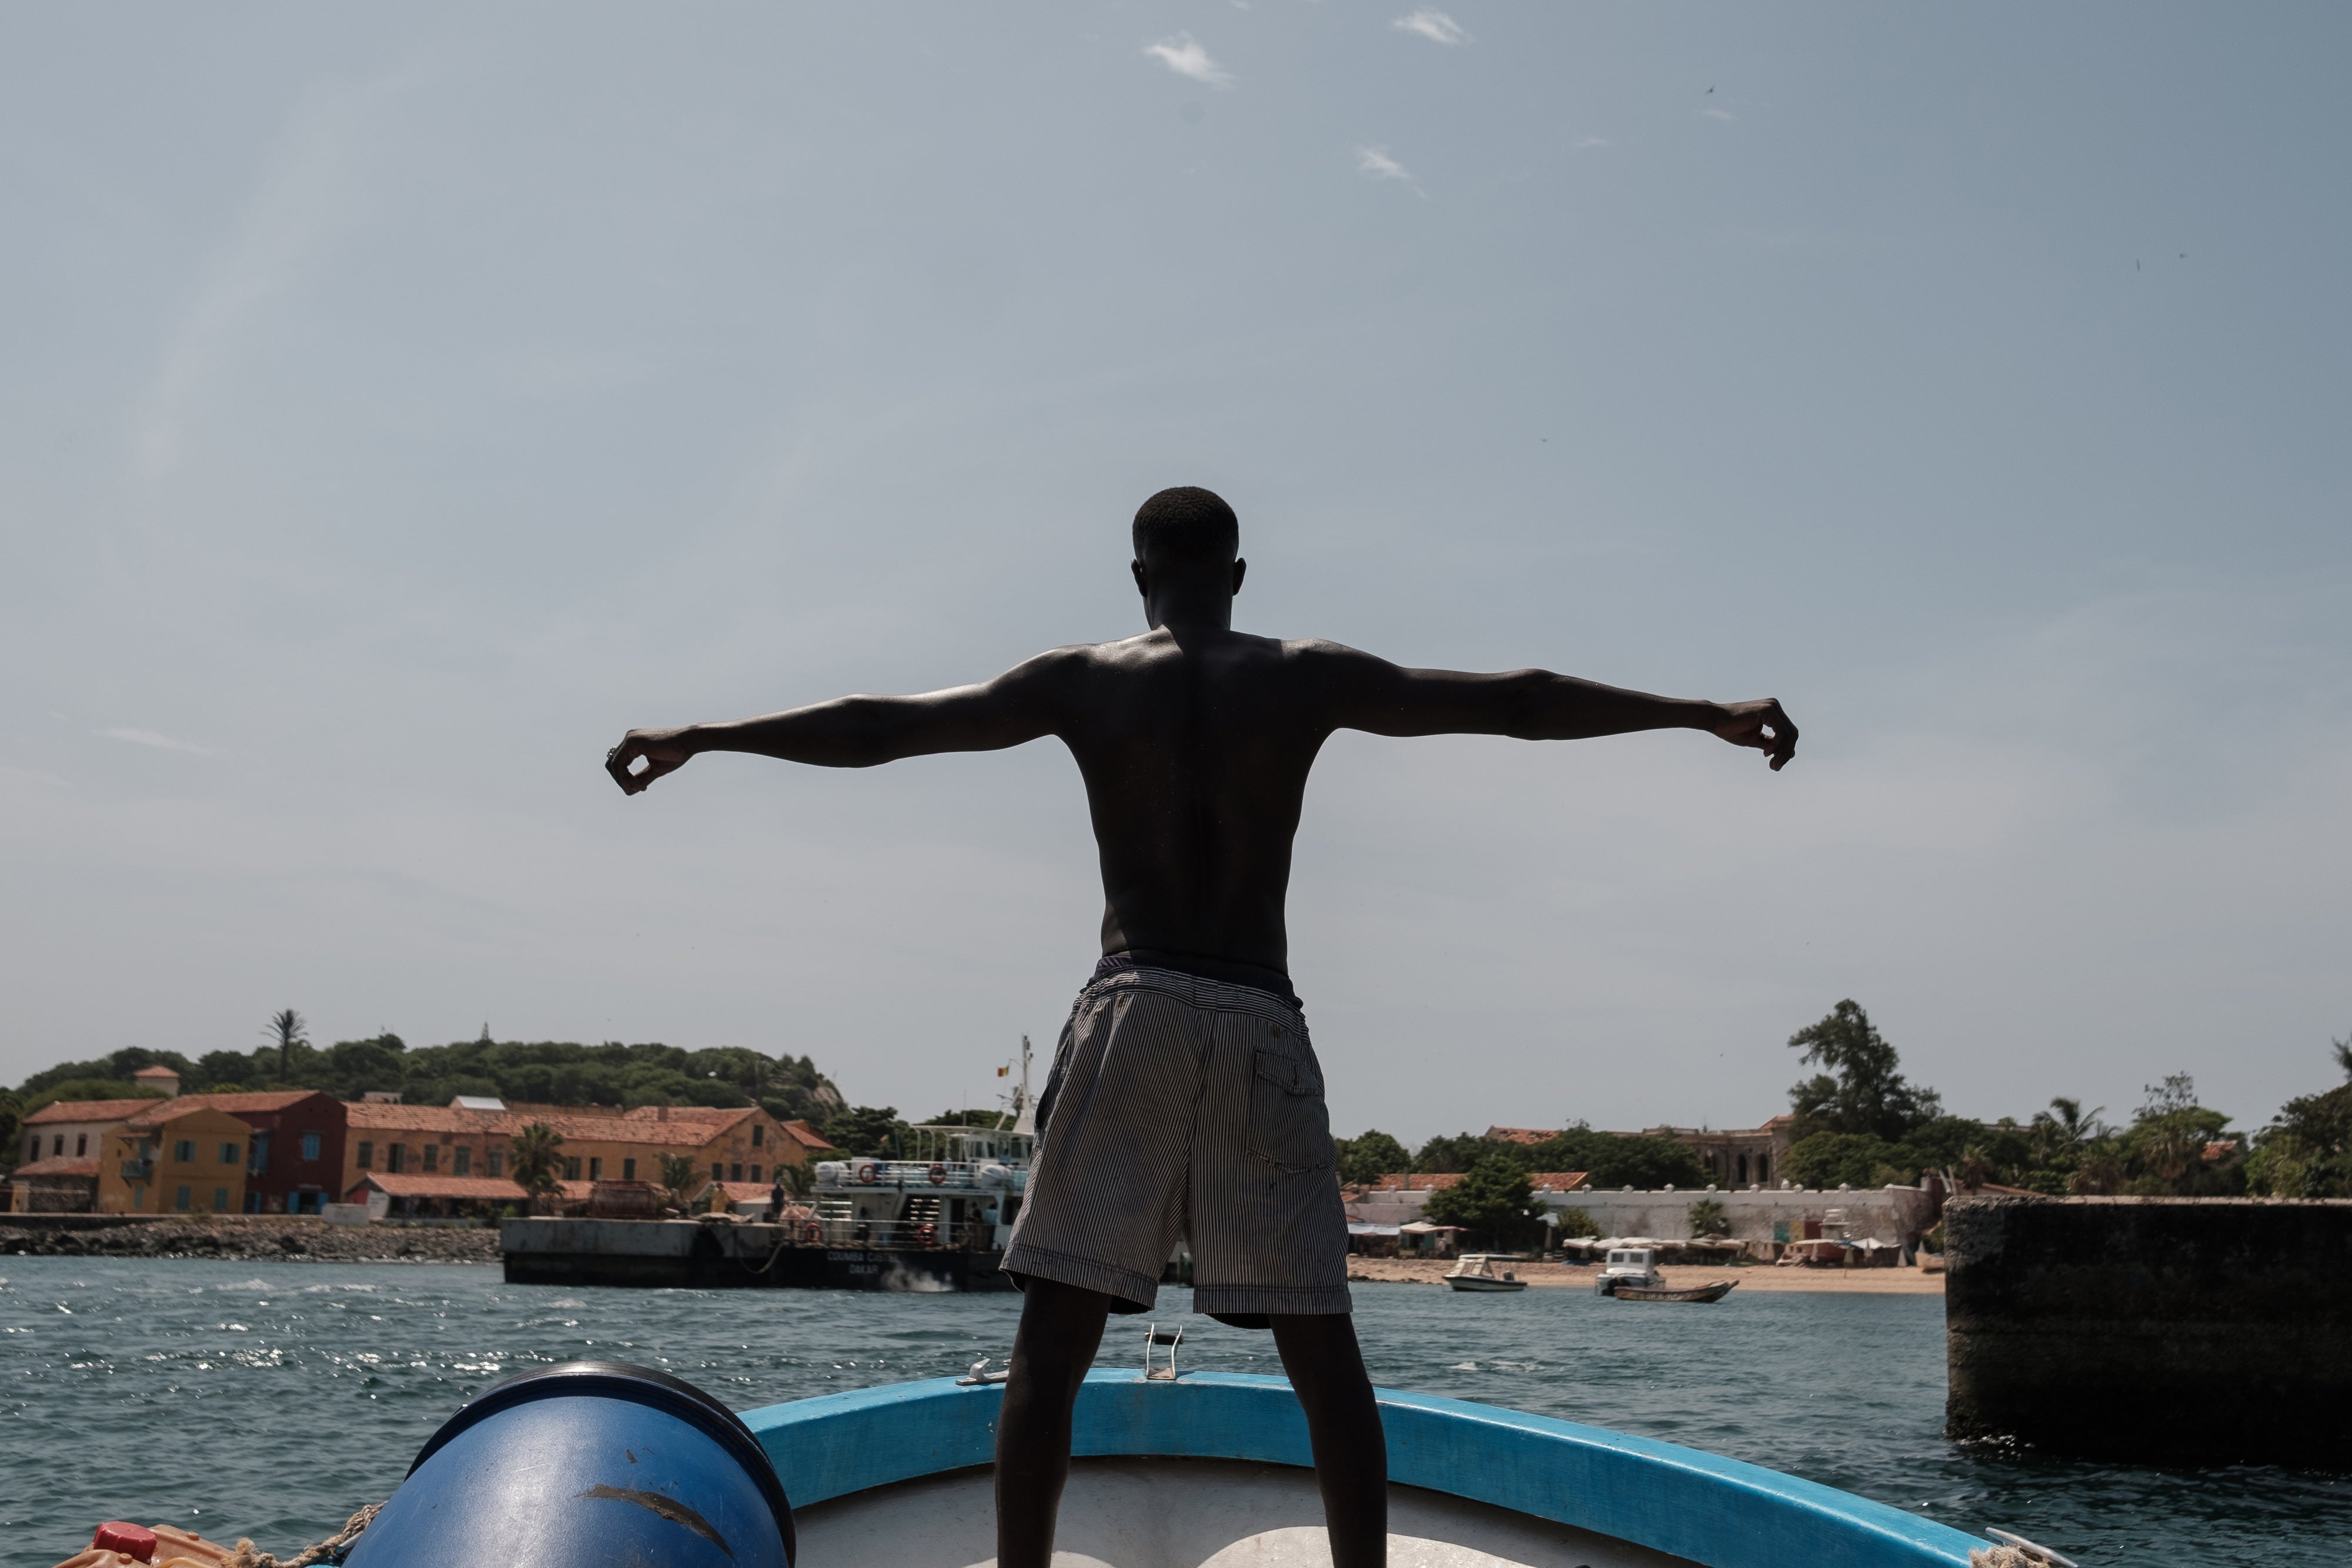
(1195, 742)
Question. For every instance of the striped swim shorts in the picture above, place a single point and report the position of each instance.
(1185, 1106)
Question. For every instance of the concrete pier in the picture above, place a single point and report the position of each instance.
(2180, 1331)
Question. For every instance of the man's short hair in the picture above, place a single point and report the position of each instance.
(1187, 524)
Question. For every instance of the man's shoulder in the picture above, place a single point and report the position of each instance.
(1151, 649)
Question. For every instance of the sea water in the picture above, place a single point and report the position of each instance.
(271, 1400)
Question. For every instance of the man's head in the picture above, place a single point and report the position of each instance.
(1185, 526)
(1187, 565)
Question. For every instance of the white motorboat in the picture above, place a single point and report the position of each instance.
(1634, 1266)
(1478, 1271)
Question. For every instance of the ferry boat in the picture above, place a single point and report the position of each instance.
(1172, 1468)
(935, 1215)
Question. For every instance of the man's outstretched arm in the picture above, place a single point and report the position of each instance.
(1370, 694)
(1021, 704)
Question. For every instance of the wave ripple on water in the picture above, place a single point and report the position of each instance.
(301, 1392)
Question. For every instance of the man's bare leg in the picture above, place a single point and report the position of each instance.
(1061, 1327)
(1352, 1456)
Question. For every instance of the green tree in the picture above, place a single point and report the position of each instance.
(1493, 1202)
(1573, 1222)
(2164, 1149)
(1370, 1156)
(116, 1067)
(1862, 1090)
(2306, 1150)
(995, 1120)
(677, 1174)
(537, 1159)
(1450, 1156)
(91, 1088)
(287, 1029)
(2099, 1174)
(1707, 1218)
(867, 1130)
(1832, 1159)
(1642, 1160)
(11, 1127)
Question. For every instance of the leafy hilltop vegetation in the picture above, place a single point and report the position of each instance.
(555, 1072)
(1860, 1121)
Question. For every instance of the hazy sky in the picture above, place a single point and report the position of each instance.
(402, 402)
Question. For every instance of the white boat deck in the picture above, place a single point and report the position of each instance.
(1187, 1513)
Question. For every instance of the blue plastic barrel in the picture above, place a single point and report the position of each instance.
(592, 1464)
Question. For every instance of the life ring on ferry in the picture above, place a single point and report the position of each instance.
(938, 1175)
(927, 1235)
(812, 1231)
(868, 1175)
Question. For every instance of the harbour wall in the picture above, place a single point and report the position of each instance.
(250, 1238)
(2198, 1331)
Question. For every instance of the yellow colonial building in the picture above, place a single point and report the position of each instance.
(476, 1141)
(180, 1156)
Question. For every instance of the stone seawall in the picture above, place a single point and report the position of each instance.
(251, 1238)
(2199, 1330)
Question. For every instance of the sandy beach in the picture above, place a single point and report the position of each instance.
(1752, 1277)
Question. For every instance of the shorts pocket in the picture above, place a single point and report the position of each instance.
(1286, 1112)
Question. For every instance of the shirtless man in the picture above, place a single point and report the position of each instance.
(1185, 1098)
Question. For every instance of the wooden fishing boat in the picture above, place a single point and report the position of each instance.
(1712, 1291)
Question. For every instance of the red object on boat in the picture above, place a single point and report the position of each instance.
(133, 1540)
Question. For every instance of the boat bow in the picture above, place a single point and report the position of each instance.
(1720, 1513)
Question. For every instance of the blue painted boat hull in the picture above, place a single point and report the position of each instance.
(1715, 1512)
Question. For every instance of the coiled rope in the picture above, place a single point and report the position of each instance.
(332, 1550)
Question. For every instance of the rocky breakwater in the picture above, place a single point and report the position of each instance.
(242, 1237)
(2175, 1331)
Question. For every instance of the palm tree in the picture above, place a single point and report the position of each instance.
(798, 1178)
(288, 1028)
(677, 1170)
(536, 1160)
(2101, 1174)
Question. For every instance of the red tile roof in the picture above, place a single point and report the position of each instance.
(808, 1138)
(91, 1111)
(160, 1112)
(1522, 1134)
(622, 1130)
(1556, 1181)
(687, 1127)
(59, 1165)
(368, 1114)
(259, 1100)
(722, 1115)
(1411, 1181)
